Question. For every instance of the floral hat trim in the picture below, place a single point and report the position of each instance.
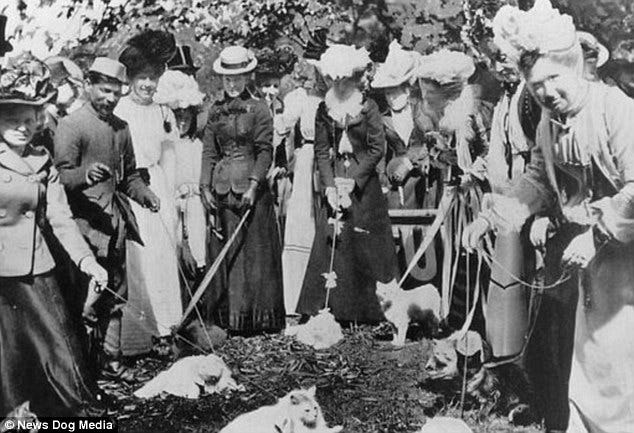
(341, 61)
(541, 29)
(446, 67)
(25, 80)
(178, 90)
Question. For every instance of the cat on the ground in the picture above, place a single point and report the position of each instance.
(187, 376)
(296, 412)
(401, 307)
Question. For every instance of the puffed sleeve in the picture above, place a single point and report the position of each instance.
(323, 148)
(210, 156)
(262, 141)
(61, 220)
(68, 151)
(375, 144)
(617, 212)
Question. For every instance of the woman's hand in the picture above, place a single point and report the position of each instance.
(333, 198)
(250, 195)
(541, 229)
(474, 232)
(580, 251)
(208, 199)
(98, 281)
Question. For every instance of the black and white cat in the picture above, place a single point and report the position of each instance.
(296, 412)
(401, 307)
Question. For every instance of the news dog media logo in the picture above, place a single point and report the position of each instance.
(70, 425)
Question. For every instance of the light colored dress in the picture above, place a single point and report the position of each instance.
(191, 212)
(152, 271)
(299, 231)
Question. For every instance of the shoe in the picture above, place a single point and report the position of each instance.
(115, 370)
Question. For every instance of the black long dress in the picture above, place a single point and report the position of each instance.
(364, 250)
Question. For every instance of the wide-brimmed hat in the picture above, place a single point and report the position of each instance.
(5, 46)
(109, 68)
(235, 60)
(182, 60)
(400, 66)
(178, 91)
(25, 80)
(446, 67)
(341, 61)
(589, 43)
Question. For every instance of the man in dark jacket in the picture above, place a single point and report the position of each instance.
(95, 159)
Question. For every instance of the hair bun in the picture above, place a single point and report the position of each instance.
(156, 45)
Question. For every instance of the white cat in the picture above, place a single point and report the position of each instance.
(186, 376)
(445, 424)
(296, 412)
(400, 307)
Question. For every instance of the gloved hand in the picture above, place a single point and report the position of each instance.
(250, 195)
(151, 202)
(399, 168)
(208, 199)
(541, 229)
(474, 232)
(98, 172)
(333, 198)
(580, 251)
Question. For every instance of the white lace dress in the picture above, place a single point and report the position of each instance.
(152, 272)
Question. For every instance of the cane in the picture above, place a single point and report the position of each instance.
(212, 271)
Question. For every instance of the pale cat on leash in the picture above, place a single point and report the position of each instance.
(401, 307)
(296, 412)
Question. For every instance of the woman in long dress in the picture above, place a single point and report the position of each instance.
(583, 164)
(298, 120)
(246, 294)
(349, 144)
(152, 270)
(41, 356)
(181, 93)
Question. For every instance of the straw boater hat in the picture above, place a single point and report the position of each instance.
(399, 67)
(235, 60)
(341, 61)
(590, 44)
(26, 81)
(110, 68)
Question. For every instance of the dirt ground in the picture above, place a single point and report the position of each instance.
(363, 383)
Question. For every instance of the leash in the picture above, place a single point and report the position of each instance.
(185, 282)
(202, 287)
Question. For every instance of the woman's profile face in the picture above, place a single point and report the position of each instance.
(234, 85)
(143, 85)
(18, 124)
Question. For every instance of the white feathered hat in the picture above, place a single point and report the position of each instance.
(341, 61)
(399, 67)
(178, 90)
